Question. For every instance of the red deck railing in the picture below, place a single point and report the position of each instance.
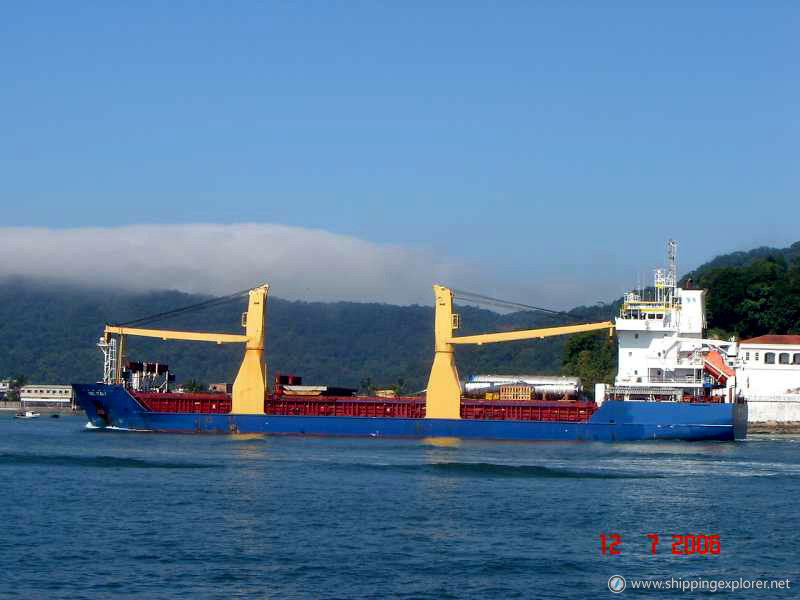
(408, 407)
(185, 403)
(569, 410)
(405, 407)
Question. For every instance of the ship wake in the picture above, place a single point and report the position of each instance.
(482, 469)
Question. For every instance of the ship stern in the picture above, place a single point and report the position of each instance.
(740, 417)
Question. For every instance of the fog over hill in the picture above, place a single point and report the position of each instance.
(299, 263)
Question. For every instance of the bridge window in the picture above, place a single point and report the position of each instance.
(747, 356)
(756, 356)
(783, 358)
(796, 359)
(769, 358)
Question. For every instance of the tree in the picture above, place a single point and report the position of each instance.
(759, 298)
(14, 386)
(592, 357)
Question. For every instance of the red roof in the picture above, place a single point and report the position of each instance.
(789, 340)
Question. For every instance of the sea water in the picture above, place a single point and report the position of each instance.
(111, 514)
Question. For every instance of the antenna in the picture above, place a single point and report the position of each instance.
(672, 263)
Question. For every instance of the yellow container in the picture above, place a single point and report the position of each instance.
(515, 392)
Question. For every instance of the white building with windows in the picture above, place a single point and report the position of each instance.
(769, 364)
(46, 395)
(768, 375)
(5, 387)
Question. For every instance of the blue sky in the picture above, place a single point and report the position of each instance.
(555, 144)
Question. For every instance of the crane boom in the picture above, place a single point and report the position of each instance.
(196, 336)
(528, 334)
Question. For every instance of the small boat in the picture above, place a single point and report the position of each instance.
(28, 414)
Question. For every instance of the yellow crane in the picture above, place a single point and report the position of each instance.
(251, 381)
(443, 396)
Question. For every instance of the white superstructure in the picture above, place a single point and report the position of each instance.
(661, 344)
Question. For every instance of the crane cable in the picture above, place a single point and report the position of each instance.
(488, 300)
(184, 310)
(472, 297)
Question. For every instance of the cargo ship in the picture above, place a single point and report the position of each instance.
(141, 399)
(614, 420)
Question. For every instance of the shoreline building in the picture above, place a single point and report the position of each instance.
(47, 395)
(768, 375)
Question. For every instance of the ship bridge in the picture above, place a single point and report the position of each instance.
(660, 335)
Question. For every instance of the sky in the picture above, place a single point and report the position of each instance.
(541, 152)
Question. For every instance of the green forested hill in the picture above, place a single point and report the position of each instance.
(48, 332)
(744, 259)
(758, 298)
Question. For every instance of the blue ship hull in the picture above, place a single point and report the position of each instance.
(112, 406)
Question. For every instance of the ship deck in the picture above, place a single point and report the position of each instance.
(404, 407)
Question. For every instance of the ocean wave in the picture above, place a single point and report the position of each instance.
(102, 462)
(482, 469)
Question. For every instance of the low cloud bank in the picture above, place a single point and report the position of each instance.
(298, 263)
